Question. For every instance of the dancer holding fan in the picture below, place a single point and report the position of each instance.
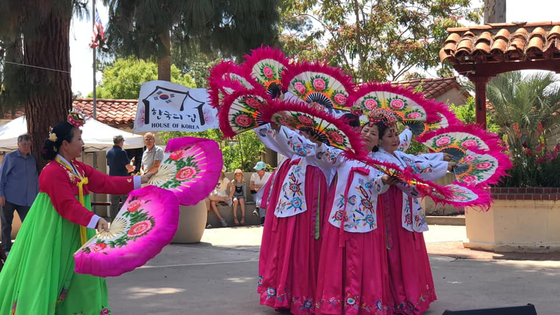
(412, 287)
(58, 223)
(290, 246)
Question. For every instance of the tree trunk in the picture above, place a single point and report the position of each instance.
(164, 63)
(50, 95)
(494, 11)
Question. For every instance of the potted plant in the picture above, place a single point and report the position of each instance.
(526, 209)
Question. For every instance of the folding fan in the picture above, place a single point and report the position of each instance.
(445, 118)
(265, 65)
(481, 167)
(146, 223)
(241, 112)
(190, 169)
(456, 140)
(317, 83)
(313, 119)
(409, 182)
(465, 196)
(405, 103)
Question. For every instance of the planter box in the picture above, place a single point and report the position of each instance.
(192, 223)
(519, 220)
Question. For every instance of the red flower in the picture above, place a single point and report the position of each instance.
(305, 120)
(140, 228)
(340, 98)
(319, 84)
(185, 173)
(397, 104)
(336, 137)
(469, 143)
(176, 155)
(243, 120)
(253, 102)
(370, 104)
(105, 311)
(413, 115)
(134, 205)
(529, 152)
(300, 87)
(267, 71)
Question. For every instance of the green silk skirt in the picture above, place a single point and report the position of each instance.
(39, 277)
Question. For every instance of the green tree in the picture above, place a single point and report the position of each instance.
(372, 40)
(152, 27)
(526, 110)
(34, 42)
(123, 78)
(466, 113)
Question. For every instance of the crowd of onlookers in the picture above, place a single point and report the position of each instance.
(233, 193)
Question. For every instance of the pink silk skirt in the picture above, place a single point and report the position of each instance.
(412, 285)
(353, 278)
(288, 260)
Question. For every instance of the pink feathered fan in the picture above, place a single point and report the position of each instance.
(266, 65)
(190, 169)
(317, 83)
(241, 111)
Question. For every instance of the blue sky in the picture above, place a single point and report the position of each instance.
(81, 32)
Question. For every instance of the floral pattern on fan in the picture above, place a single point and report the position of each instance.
(457, 139)
(178, 167)
(318, 89)
(461, 195)
(266, 65)
(146, 222)
(316, 127)
(481, 167)
(241, 112)
(133, 224)
(409, 106)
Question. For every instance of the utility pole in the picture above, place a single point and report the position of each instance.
(94, 65)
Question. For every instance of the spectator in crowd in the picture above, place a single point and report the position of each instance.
(258, 180)
(119, 165)
(153, 155)
(238, 196)
(19, 185)
(219, 194)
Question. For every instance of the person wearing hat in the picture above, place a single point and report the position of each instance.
(119, 165)
(258, 180)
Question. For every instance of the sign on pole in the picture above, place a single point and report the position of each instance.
(166, 106)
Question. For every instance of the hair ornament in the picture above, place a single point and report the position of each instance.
(52, 135)
(386, 116)
(76, 118)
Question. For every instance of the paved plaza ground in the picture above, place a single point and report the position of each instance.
(219, 276)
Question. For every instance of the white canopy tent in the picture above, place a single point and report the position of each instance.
(97, 136)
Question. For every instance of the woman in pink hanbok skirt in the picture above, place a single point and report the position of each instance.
(288, 261)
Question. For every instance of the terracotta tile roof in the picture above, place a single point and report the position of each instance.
(433, 88)
(13, 114)
(496, 42)
(116, 113)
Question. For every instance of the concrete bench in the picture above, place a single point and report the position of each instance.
(226, 211)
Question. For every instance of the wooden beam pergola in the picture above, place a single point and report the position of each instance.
(484, 51)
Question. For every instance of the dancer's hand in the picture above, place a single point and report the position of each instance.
(102, 225)
(447, 157)
(146, 177)
(389, 180)
(451, 166)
